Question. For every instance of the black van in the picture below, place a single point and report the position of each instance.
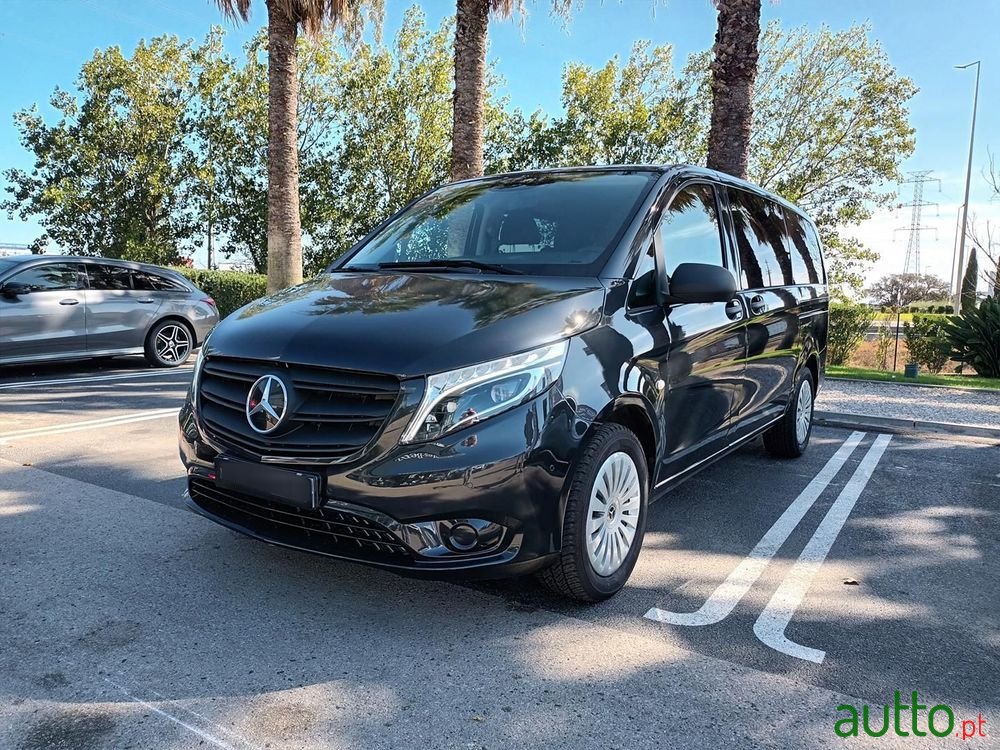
(503, 375)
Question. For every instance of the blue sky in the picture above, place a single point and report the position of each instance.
(44, 42)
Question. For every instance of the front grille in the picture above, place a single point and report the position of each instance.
(334, 414)
(325, 530)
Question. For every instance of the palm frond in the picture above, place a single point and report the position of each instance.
(235, 10)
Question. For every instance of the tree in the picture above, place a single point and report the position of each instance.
(112, 175)
(969, 283)
(284, 18)
(832, 125)
(902, 289)
(472, 19)
(734, 68)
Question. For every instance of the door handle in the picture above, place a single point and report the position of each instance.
(757, 305)
(734, 310)
(69, 301)
(145, 301)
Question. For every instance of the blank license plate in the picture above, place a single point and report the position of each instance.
(297, 488)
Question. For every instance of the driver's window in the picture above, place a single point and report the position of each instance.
(689, 229)
(688, 233)
(51, 277)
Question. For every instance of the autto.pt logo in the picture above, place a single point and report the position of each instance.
(906, 719)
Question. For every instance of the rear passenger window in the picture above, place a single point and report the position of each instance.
(806, 249)
(150, 282)
(689, 229)
(762, 241)
(109, 277)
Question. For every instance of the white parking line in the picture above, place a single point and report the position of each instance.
(770, 626)
(725, 598)
(93, 379)
(90, 424)
(205, 736)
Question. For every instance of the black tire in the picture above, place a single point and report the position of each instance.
(782, 440)
(573, 575)
(163, 359)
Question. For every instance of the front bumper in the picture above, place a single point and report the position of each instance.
(507, 473)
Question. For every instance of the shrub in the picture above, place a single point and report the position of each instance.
(848, 324)
(230, 289)
(883, 344)
(975, 338)
(927, 341)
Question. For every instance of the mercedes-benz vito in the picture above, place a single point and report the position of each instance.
(501, 377)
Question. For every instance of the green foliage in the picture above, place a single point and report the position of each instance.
(157, 152)
(883, 344)
(975, 338)
(230, 289)
(928, 342)
(905, 289)
(969, 283)
(831, 124)
(848, 324)
(112, 175)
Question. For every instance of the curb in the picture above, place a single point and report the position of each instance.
(904, 426)
(963, 388)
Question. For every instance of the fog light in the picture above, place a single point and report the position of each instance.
(463, 537)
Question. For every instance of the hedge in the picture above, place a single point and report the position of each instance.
(230, 289)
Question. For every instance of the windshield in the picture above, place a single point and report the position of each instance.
(546, 224)
(6, 264)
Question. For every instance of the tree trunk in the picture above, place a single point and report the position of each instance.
(471, 27)
(734, 69)
(284, 228)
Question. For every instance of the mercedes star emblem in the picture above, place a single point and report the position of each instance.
(266, 404)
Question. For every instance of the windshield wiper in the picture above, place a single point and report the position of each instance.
(449, 263)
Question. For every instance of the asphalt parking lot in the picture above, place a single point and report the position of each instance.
(767, 594)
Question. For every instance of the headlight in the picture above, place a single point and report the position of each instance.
(198, 364)
(455, 399)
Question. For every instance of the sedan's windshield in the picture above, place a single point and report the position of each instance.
(547, 223)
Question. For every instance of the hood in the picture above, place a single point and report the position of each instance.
(408, 324)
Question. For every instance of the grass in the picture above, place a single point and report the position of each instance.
(957, 381)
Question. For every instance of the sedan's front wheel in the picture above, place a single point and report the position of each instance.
(605, 517)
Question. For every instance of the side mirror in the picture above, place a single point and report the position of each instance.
(13, 289)
(699, 282)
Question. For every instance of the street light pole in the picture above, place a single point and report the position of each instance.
(957, 298)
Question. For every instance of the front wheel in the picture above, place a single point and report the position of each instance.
(789, 437)
(169, 344)
(605, 518)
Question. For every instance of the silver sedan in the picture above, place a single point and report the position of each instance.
(66, 307)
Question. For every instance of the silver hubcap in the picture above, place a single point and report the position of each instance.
(803, 413)
(173, 343)
(613, 515)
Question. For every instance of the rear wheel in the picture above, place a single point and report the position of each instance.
(789, 438)
(169, 344)
(605, 518)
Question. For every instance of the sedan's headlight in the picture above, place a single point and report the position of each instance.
(455, 399)
(198, 364)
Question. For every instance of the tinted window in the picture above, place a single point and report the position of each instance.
(6, 265)
(151, 282)
(48, 278)
(109, 277)
(761, 240)
(555, 223)
(689, 229)
(806, 259)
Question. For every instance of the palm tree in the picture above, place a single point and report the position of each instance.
(733, 72)
(471, 33)
(284, 18)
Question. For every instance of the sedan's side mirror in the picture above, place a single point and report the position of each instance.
(699, 282)
(13, 289)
